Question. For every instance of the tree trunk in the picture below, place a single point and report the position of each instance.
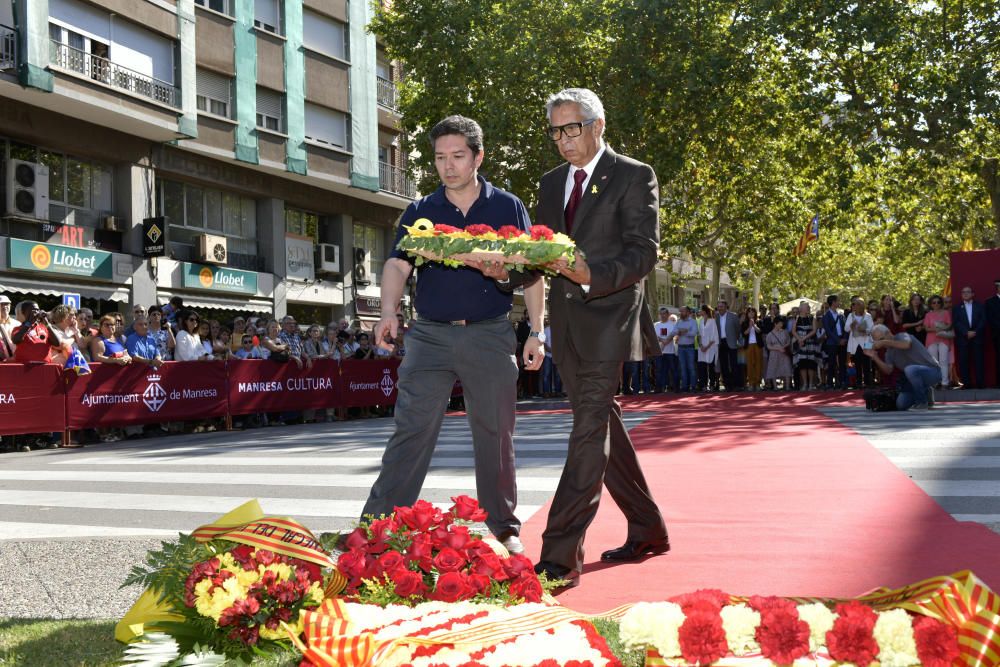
(990, 173)
(714, 291)
(756, 293)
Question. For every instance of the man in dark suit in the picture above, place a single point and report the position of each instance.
(835, 344)
(729, 335)
(608, 204)
(992, 308)
(969, 322)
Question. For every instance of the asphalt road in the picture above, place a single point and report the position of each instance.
(73, 522)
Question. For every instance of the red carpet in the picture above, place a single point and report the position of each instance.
(763, 494)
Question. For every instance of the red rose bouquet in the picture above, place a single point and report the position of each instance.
(511, 245)
(420, 553)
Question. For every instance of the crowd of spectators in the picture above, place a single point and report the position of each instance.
(173, 332)
(801, 350)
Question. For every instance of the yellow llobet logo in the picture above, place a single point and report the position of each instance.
(41, 258)
(206, 277)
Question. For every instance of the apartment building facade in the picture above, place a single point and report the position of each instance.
(241, 154)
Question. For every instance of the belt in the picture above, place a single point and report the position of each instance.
(465, 323)
(686, 346)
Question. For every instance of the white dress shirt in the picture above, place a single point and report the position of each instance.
(589, 168)
(968, 311)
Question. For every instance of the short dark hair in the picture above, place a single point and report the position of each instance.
(154, 309)
(177, 301)
(831, 299)
(463, 126)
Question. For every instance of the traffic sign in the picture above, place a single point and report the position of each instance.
(72, 300)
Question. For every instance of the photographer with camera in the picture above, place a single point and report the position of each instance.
(36, 340)
(920, 371)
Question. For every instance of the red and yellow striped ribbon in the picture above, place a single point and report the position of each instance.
(330, 641)
(280, 535)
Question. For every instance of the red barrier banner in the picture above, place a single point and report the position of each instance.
(266, 386)
(136, 394)
(31, 398)
(367, 382)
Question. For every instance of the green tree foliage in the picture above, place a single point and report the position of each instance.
(880, 116)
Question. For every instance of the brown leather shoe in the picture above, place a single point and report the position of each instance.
(635, 550)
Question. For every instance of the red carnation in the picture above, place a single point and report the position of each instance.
(242, 554)
(539, 232)
(767, 604)
(446, 229)
(708, 599)
(527, 586)
(782, 636)
(701, 636)
(467, 508)
(517, 564)
(449, 560)
(479, 230)
(408, 583)
(851, 638)
(937, 643)
(510, 232)
(312, 570)
(451, 587)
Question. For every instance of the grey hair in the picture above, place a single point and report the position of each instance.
(590, 103)
(880, 329)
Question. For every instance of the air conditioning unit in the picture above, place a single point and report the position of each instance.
(212, 248)
(327, 258)
(27, 189)
(360, 270)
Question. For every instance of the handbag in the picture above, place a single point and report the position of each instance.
(945, 334)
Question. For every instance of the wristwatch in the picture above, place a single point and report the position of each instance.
(540, 335)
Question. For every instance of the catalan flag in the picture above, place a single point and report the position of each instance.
(811, 234)
(966, 247)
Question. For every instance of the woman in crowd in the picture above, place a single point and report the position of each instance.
(806, 348)
(239, 328)
(163, 335)
(913, 319)
(891, 317)
(106, 347)
(859, 325)
(223, 346)
(313, 346)
(63, 320)
(708, 348)
(779, 363)
(189, 344)
(940, 337)
(753, 347)
(277, 351)
(365, 350)
(205, 336)
(875, 312)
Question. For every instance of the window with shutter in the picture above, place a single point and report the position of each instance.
(214, 93)
(326, 126)
(270, 110)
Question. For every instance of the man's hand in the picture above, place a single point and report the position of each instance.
(388, 323)
(494, 270)
(971, 335)
(879, 344)
(534, 354)
(580, 273)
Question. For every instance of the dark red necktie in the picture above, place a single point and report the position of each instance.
(574, 198)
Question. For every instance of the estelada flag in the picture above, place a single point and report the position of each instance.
(811, 234)
(966, 247)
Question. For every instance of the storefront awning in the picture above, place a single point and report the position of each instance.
(217, 302)
(50, 288)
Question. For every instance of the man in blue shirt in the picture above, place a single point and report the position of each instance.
(462, 333)
(141, 346)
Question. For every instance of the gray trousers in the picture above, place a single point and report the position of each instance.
(481, 356)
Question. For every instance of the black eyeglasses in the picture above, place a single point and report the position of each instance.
(571, 130)
(192, 319)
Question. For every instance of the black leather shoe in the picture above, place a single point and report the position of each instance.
(554, 571)
(634, 550)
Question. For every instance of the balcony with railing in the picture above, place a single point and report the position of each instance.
(104, 71)
(394, 179)
(388, 97)
(8, 48)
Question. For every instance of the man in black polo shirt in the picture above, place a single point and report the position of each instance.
(461, 333)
